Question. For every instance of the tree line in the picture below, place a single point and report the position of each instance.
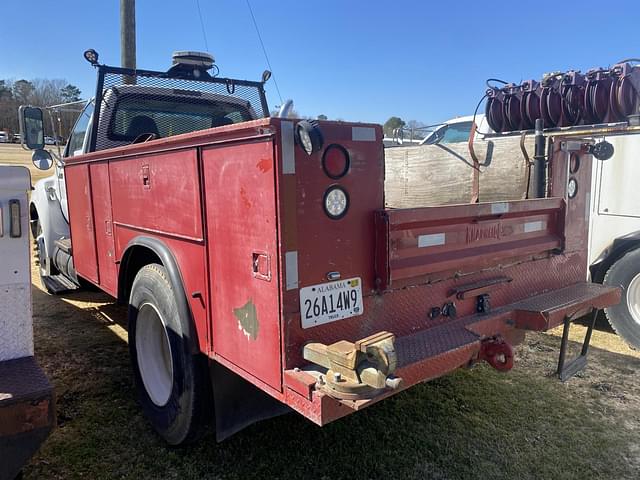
(39, 92)
(413, 129)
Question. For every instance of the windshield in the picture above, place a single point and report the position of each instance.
(166, 116)
(456, 132)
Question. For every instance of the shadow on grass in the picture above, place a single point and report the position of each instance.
(470, 424)
(602, 324)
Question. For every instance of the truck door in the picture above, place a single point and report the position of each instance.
(77, 144)
(105, 247)
(242, 248)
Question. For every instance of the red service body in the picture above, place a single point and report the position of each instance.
(318, 311)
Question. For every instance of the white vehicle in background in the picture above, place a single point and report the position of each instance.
(614, 239)
(457, 130)
(4, 137)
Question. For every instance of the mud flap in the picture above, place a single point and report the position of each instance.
(239, 404)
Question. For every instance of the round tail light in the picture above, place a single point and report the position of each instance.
(335, 161)
(336, 202)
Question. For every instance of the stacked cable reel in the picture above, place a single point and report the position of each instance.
(565, 99)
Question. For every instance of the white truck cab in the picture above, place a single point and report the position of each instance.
(614, 240)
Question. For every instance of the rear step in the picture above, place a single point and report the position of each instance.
(548, 310)
(59, 284)
(434, 341)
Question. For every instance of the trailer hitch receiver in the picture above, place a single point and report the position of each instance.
(497, 353)
(356, 370)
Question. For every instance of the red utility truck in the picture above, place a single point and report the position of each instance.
(262, 270)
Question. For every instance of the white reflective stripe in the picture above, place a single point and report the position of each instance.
(533, 226)
(288, 154)
(587, 206)
(363, 134)
(431, 240)
(499, 208)
(291, 269)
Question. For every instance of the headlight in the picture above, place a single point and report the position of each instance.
(309, 136)
(336, 202)
(572, 187)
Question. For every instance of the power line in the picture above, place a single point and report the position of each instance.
(204, 33)
(264, 50)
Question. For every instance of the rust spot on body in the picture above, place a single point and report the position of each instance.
(264, 165)
(248, 319)
(245, 198)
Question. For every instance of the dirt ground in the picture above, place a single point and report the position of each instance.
(474, 423)
(14, 154)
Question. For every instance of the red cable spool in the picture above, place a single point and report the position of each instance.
(625, 91)
(494, 109)
(597, 96)
(572, 93)
(551, 101)
(530, 104)
(512, 111)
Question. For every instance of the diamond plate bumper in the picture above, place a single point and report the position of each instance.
(436, 351)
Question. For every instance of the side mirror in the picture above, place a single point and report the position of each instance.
(42, 159)
(32, 127)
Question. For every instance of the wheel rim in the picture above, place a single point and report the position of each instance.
(42, 257)
(633, 298)
(41, 252)
(153, 352)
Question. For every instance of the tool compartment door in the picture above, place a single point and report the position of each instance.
(239, 183)
(83, 239)
(105, 251)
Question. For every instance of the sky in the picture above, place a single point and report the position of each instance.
(352, 59)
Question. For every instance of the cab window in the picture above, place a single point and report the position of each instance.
(166, 116)
(77, 138)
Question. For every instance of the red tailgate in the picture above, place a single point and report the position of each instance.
(421, 241)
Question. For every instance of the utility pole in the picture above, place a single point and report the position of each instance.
(128, 33)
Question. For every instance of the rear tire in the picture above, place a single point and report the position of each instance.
(172, 383)
(625, 317)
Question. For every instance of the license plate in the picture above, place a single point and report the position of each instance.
(328, 302)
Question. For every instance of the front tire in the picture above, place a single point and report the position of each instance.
(625, 317)
(171, 382)
(43, 258)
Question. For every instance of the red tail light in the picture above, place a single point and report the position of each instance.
(335, 161)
